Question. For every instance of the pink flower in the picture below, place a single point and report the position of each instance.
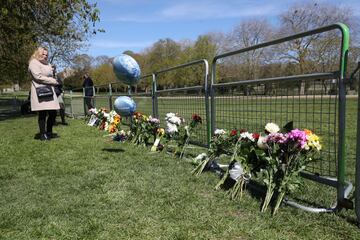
(298, 137)
(276, 138)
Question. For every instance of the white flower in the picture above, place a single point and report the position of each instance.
(272, 128)
(219, 132)
(93, 110)
(262, 142)
(122, 132)
(169, 115)
(174, 120)
(171, 128)
(106, 115)
(247, 135)
(201, 157)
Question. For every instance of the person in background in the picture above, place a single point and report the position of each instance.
(89, 92)
(42, 75)
(60, 94)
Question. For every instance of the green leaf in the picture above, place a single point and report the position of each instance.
(288, 127)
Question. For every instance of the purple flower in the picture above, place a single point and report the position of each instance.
(276, 138)
(298, 137)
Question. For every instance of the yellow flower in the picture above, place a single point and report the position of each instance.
(117, 119)
(313, 141)
(313, 138)
(160, 132)
(145, 118)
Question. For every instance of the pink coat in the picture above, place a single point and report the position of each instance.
(42, 75)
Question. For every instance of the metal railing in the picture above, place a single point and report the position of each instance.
(189, 100)
(335, 128)
(250, 104)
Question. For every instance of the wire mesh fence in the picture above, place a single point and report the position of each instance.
(250, 105)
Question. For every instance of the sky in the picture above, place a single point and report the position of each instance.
(137, 24)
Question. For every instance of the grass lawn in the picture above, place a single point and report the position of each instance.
(83, 186)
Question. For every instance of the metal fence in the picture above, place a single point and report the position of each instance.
(252, 103)
(314, 100)
(186, 100)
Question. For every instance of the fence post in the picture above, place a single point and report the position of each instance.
(212, 97)
(71, 104)
(154, 97)
(342, 108)
(357, 171)
(110, 97)
(207, 107)
(94, 96)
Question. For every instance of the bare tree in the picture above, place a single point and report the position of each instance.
(248, 33)
(318, 52)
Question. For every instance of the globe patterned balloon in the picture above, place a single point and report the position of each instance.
(126, 69)
(124, 106)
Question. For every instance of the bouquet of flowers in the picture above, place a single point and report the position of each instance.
(121, 136)
(160, 132)
(112, 122)
(286, 155)
(221, 143)
(240, 167)
(143, 128)
(93, 120)
(175, 130)
(98, 118)
(300, 148)
(188, 133)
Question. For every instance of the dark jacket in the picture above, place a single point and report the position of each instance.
(58, 88)
(88, 85)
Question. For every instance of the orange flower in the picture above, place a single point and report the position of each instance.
(112, 128)
(137, 115)
(308, 132)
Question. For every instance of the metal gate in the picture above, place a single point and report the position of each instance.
(314, 100)
(185, 100)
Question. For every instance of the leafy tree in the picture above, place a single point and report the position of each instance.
(163, 54)
(103, 74)
(27, 24)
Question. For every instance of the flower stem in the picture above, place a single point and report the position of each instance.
(279, 201)
(200, 168)
(269, 194)
(222, 180)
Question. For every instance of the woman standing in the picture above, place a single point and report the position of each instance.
(44, 103)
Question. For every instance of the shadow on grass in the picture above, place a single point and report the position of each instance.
(11, 114)
(113, 150)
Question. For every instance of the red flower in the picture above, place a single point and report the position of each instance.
(233, 132)
(196, 118)
(256, 136)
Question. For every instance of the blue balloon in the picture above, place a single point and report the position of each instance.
(126, 69)
(124, 106)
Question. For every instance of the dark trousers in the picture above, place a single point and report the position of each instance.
(89, 102)
(46, 126)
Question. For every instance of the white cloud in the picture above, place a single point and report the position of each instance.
(208, 10)
(195, 10)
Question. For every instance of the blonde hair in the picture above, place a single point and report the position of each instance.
(37, 53)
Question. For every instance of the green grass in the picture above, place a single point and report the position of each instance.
(83, 186)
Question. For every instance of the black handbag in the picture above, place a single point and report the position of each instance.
(44, 91)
